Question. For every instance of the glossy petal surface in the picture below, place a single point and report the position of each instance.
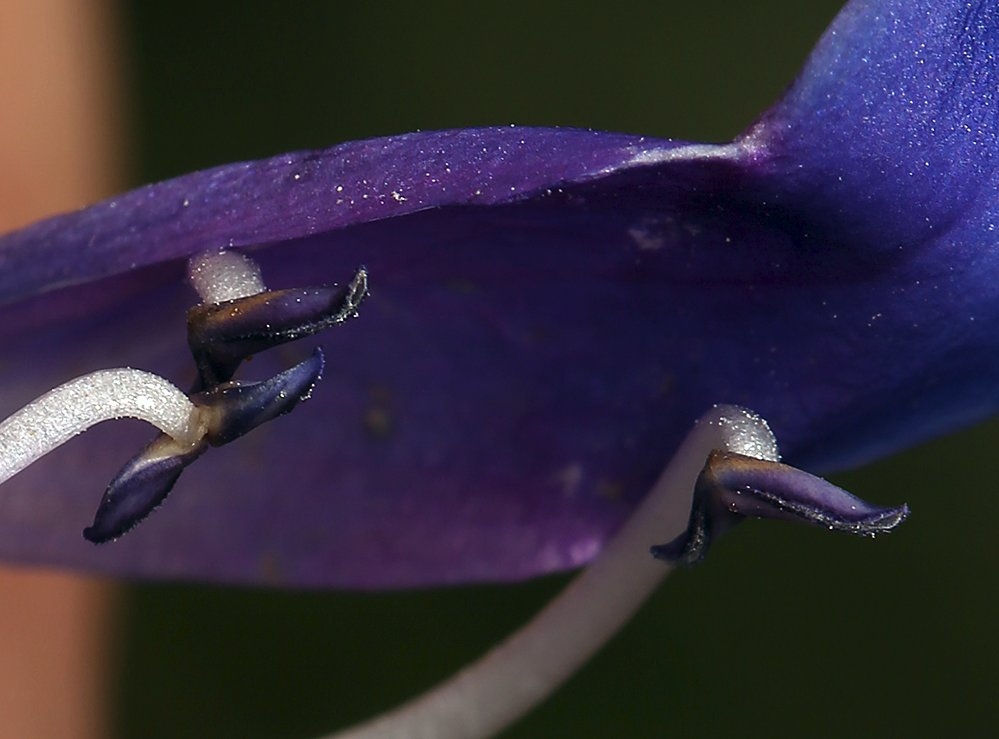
(549, 311)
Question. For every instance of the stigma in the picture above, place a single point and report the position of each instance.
(237, 318)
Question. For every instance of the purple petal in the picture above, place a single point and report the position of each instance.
(550, 310)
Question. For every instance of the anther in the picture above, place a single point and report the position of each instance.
(229, 411)
(139, 488)
(733, 487)
(234, 409)
(222, 335)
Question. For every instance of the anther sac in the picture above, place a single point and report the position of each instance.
(234, 409)
(140, 486)
(238, 408)
(221, 336)
(733, 487)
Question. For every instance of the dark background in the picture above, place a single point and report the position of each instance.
(783, 632)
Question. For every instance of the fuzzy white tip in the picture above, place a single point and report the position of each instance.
(219, 276)
(69, 409)
(742, 431)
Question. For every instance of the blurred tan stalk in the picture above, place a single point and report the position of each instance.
(60, 147)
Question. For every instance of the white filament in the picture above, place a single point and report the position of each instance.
(490, 694)
(62, 413)
(219, 276)
(743, 432)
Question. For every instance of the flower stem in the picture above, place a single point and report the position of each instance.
(490, 694)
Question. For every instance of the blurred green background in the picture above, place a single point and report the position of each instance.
(783, 632)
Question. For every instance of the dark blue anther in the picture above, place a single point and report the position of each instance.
(139, 488)
(232, 410)
(238, 408)
(732, 487)
(221, 335)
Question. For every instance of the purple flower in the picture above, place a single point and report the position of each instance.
(550, 311)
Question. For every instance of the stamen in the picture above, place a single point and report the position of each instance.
(239, 317)
(224, 275)
(492, 693)
(228, 412)
(62, 413)
(733, 487)
(140, 487)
